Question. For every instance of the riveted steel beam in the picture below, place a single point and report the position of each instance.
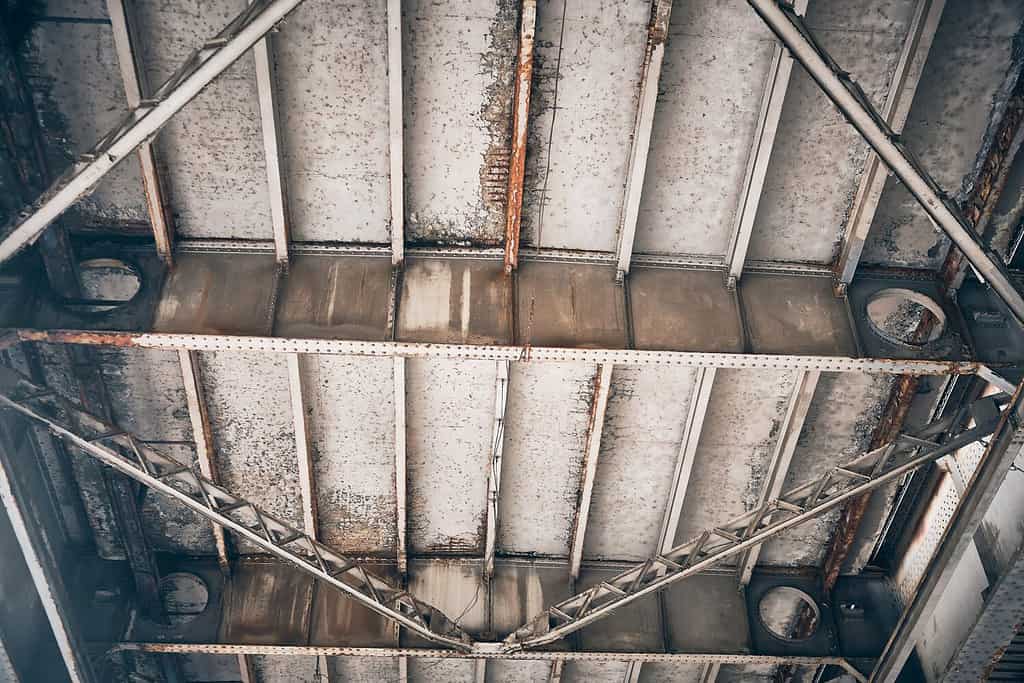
(520, 119)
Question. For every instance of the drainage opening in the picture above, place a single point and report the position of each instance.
(896, 315)
(780, 608)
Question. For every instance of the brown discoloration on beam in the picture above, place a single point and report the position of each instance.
(120, 339)
(520, 117)
(977, 208)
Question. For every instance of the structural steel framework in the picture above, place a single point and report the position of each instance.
(127, 454)
(865, 473)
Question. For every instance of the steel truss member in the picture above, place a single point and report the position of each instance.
(864, 473)
(127, 454)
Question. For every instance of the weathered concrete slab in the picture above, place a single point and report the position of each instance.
(818, 157)
(350, 404)
(450, 416)
(973, 49)
(588, 57)
(72, 72)
(666, 672)
(212, 151)
(253, 434)
(735, 447)
(363, 669)
(331, 63)
(716, 61)
(639, 450)
(458, 60)
(546, 426)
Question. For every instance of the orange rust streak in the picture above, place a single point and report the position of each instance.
(520, 116)
(123, 339)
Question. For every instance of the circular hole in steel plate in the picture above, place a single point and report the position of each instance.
(780, 608)
(184, 596)
(107, 284)
(895, 313)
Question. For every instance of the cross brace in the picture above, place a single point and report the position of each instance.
(864, 473)
(127, 454)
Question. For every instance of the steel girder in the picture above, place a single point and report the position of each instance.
(144, 121)
(862, 115)
(865, 473)
(127, 454)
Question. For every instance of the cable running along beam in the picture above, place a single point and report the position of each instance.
(127, 454)
(808, 501)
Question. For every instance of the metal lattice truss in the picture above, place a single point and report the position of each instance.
(128, 455)
(862, 474)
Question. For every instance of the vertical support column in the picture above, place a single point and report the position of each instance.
(703, 381)
(782, 456)
(277, 193)
(1007, 443)
(657, 35)
(555, 675)
(400, 464)
(602, 386)
(494, 475)
(395, 129)
(202, 434)
(136, 87)
(37, 548)
(632, 674)
(760, 156)
(916, 46)
(520, 119)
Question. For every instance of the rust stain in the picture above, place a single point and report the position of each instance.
(122, 339)
(520, 117)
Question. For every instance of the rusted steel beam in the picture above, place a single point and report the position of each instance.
(990, 181)
(657, 36)
(520, 119)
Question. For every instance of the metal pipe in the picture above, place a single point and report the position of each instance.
(144, 122)
(858, 111)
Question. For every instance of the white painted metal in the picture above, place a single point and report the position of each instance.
(693, 359)
(709, 673)
(858, 111)
(395, 123)
(632, 672)
(918, 43)
(856, 477)
(704, 379)
(1000, 455)
(277, 195)
(650, 76)
(307, 477)
(782, 456)
(555, 675)
(246, 670)
(163, 474)
(144, 122)
(494, 474)
(760, 155)
(597, 412)
(73, 654)
(134, 78)
(201, 436)
(401, 472)
(480, 671)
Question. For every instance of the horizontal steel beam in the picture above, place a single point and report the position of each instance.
(693, 359)
(858, 110)
(551, 656)
(128, 455)
(145, 121)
